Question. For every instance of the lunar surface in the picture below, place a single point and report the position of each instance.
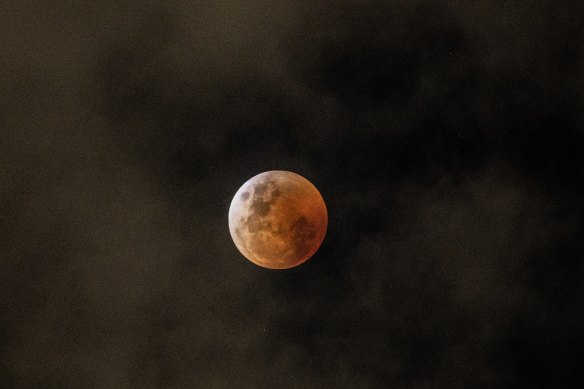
(278, 219)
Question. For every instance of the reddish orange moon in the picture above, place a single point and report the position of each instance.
(278, 219)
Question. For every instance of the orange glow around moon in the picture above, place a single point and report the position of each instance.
(278, 219)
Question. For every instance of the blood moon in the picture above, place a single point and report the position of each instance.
(278, 219)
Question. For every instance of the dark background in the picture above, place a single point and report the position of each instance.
(447, 139)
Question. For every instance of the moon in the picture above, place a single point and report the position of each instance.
(278, 219)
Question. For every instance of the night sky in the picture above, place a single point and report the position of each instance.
(446, 137)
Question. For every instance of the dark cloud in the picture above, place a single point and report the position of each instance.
(447, 140)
